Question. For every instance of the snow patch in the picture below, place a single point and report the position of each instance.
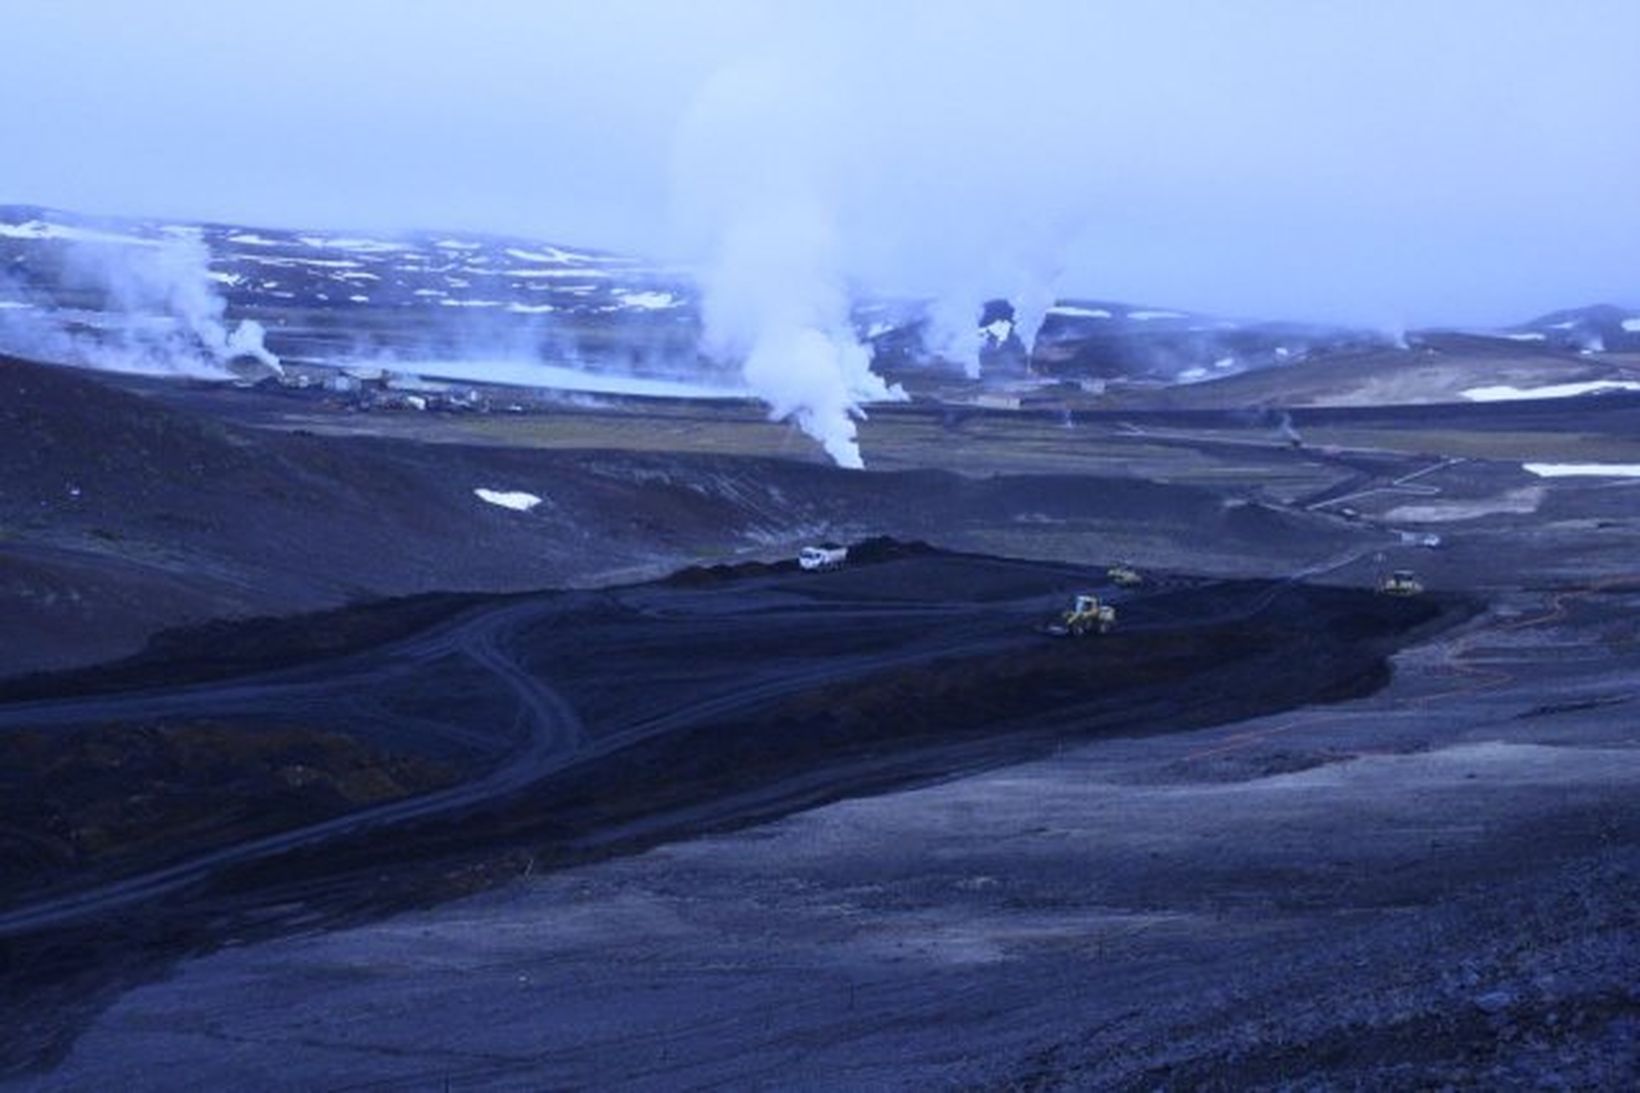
(1079, 312)
(250, 239)
(554, 255)
(557, 255)
(39, 229)
(577, 272)
(517, 500)
(1524, 337)
(648, 301)
(1505, 393)
(1583, 470)
(1142, 315)
(363, 246)
(326, 263)
(1632, 325)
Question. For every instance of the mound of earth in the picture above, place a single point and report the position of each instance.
(121, 516)
(78, 802)
(749, 679)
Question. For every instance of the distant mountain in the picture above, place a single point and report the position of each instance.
(1085, 339)
(149, 289)
(329, 296)
(1109, 339)
(1601, 328)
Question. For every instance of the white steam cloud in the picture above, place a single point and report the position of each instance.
(138, 305)
(773, 301)
(794, 188)
(749, 175)
(953, 332)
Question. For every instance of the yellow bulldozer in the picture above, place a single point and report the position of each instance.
(1402, 582)
(1123, 575)
(1086, 615)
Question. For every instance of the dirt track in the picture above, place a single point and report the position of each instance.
(1430, 884)
(919, 665)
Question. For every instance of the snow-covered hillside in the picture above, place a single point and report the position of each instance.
(267, 268)
(147, 294)
(209, 299)
(1603, 328)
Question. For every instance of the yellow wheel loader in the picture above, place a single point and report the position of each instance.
(1086, 615)
(1402, 582)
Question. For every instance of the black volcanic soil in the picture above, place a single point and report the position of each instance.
(221, 648)
(706, 703)
(123, 515)
(668, 689)
(75, 802)
(1432, 884)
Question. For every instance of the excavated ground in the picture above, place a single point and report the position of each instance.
(1276, 833)
(123, 515)
(710, 700)
(1431, 885)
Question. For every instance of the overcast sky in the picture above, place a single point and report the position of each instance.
(1466, 161)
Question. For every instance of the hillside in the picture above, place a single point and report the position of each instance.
(143, 295)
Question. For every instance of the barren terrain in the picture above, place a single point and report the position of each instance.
(860, 828)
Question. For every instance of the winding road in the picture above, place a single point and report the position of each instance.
(544, 733)
(551, 732)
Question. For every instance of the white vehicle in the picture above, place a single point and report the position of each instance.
(824, 556)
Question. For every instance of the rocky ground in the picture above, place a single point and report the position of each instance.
(1434, 885)
(1425, 878)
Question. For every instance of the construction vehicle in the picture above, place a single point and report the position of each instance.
(1086, 615)
(824, 556)
(1402, 582)
(1123, 575)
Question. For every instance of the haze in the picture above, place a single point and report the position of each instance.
(1374, 162)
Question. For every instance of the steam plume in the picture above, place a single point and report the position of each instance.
(749, 180)
(953, 332)
(1289, 432)
(148, 306)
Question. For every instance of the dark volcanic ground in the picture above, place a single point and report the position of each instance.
(1430, 885)
(123, 515)
(575, 725)
(1274, 831)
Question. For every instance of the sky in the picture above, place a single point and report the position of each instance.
(1381, 162)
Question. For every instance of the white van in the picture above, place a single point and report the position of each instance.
(824, 556)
